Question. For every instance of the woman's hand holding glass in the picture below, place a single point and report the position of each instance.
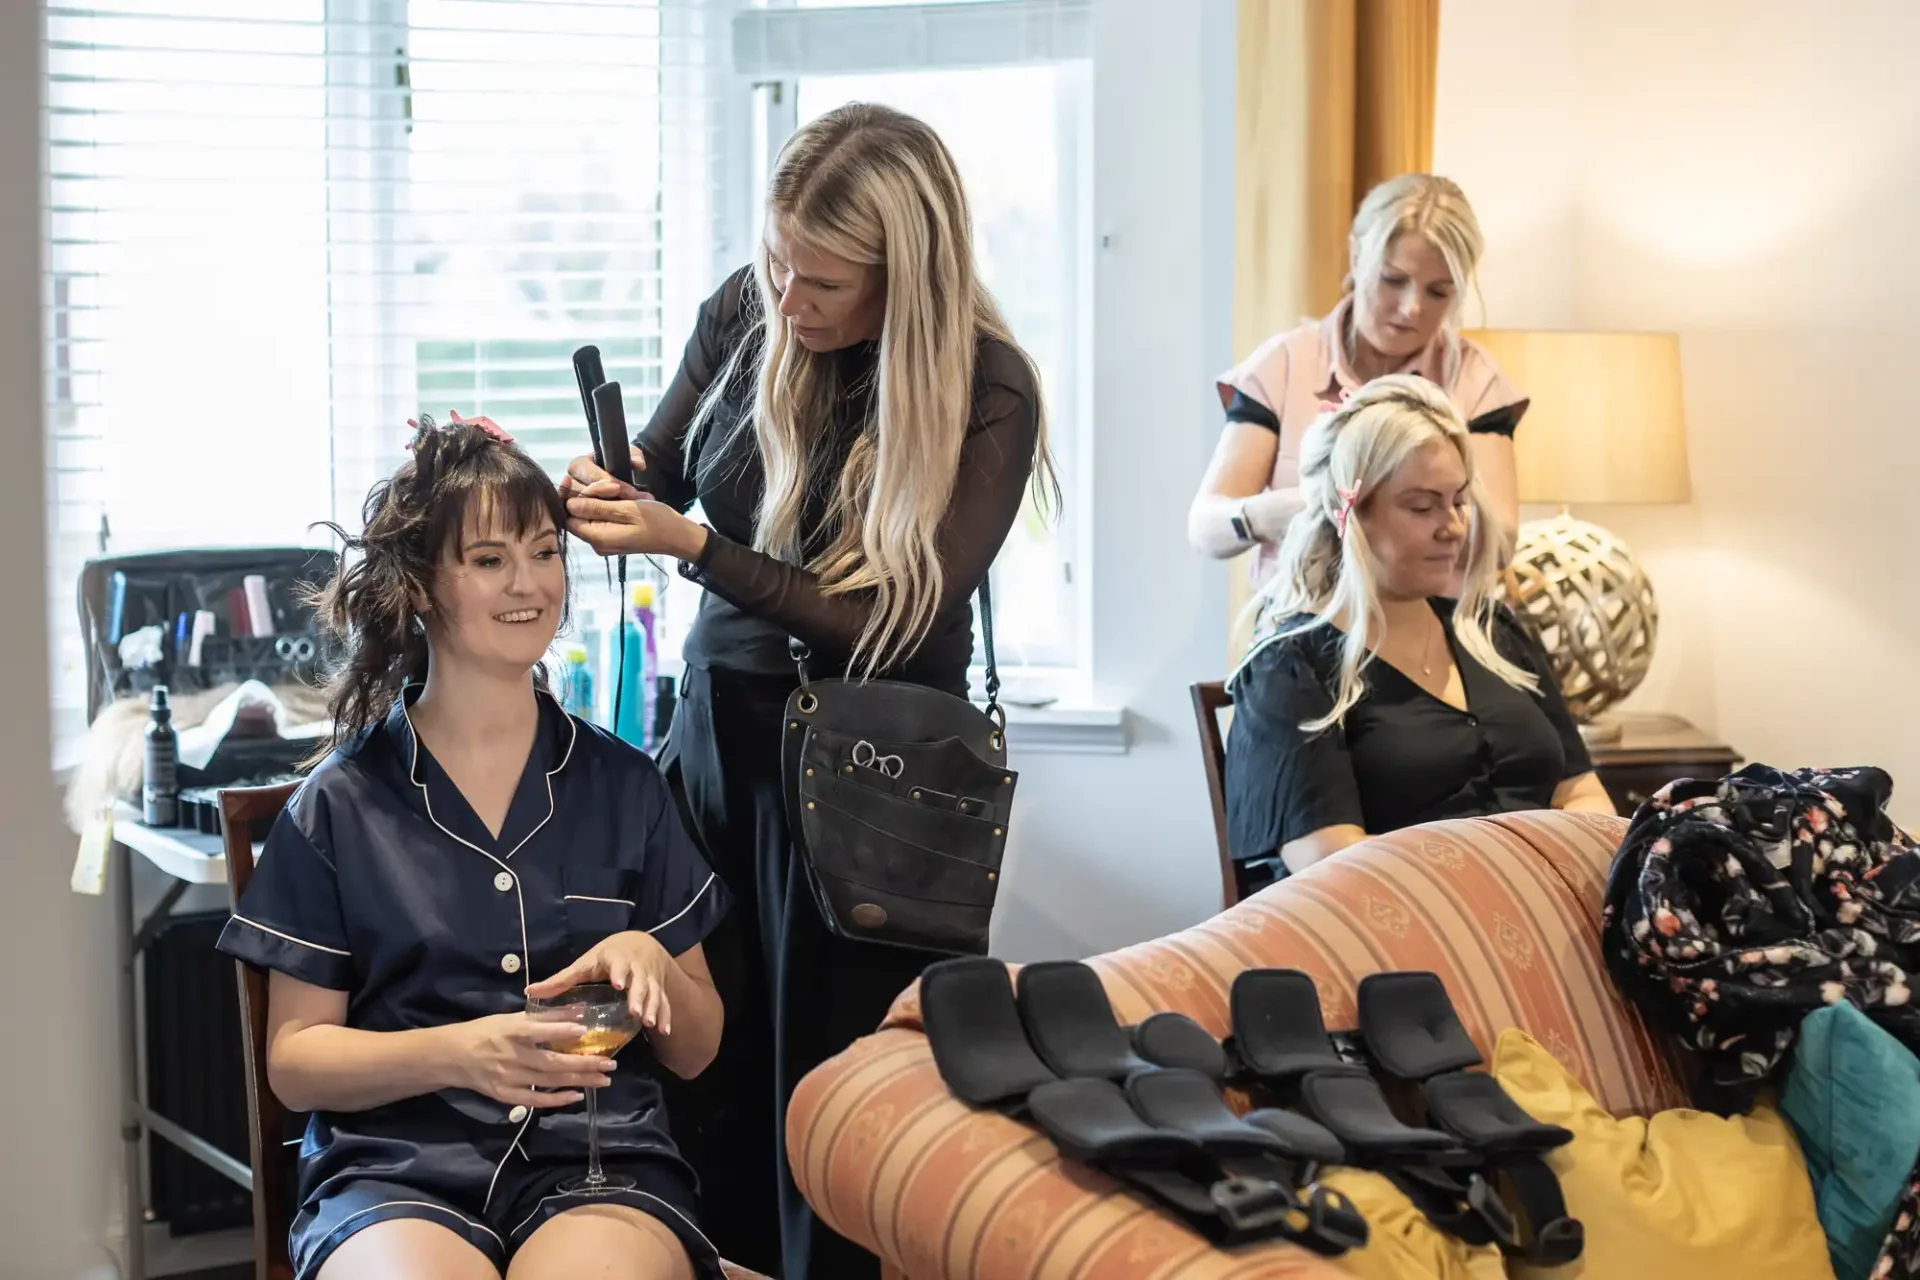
(507, 1057)
(631, 962)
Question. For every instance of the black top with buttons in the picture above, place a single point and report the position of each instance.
(753, 601)
(1401, 756)
(379, 880)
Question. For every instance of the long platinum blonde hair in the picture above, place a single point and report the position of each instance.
(878, 187)
(1328, 574)
(1435, 208)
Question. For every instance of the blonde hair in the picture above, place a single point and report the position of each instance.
(1437, 209)
(1355, 450)
(874, 186)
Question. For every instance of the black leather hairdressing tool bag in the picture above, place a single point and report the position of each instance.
(898, 797)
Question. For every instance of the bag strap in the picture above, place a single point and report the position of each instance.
(986, 636)
(798, 650)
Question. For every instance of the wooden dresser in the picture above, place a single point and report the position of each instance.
(1652, 751)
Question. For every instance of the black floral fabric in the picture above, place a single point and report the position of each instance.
(1736, 907)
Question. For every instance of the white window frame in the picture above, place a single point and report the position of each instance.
(773, 48)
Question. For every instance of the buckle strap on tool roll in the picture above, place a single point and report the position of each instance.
(1281, 1043)
(1415, 1035)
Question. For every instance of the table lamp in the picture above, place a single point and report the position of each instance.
(1605, 425)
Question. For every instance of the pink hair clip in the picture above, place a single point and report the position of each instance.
(487, 425)
(1347, 498)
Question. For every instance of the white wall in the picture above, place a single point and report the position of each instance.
(57, 1071)
(1109, 850)
(1742, 172)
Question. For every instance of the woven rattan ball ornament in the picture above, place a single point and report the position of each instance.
(1581, 592)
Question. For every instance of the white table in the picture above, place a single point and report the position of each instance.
(188, 857)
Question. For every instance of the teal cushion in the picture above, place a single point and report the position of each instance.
(1853, 1097)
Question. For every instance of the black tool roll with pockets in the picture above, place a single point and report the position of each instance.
(1054, 1054)
(1144, 1104)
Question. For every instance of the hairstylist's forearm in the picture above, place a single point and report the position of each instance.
(1210, 520)
(689, 540)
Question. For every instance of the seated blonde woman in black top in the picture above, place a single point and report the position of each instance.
(1372, 702)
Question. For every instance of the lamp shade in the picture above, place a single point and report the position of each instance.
(1606, 422)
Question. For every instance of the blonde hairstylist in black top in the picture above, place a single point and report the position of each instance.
(858, 425)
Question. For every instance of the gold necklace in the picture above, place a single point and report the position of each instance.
(1426, 652)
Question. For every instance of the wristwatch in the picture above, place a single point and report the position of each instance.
(1237, 518)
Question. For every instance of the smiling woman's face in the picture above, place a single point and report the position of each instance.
(1400, 310)
(498, 595)
(829, 302)
(1417, 523)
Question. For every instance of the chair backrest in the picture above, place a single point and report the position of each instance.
(1210, 698)
(243, 810)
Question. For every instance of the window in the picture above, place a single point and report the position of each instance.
(279, 228)
(1007, 84)
(276, 229)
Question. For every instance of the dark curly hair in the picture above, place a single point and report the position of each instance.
(412, 523)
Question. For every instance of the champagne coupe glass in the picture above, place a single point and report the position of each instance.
(609, 1023)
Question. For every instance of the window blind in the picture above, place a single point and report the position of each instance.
(279, 228)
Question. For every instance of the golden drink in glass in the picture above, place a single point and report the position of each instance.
(608, 1024)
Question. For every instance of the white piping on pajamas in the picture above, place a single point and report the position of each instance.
(519, 899)
(711, 877)
(582, 1195)
(422, 1204)
(290, 938)
(582, 897)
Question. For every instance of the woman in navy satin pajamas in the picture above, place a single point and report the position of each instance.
(414, 894)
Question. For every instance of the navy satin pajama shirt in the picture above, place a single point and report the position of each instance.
(380, 881)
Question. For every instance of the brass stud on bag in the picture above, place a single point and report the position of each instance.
(993, 875)
(809, 773)
(996, 831)
(1006, 782)
(809, 804)
(916, 793)
(846, 768)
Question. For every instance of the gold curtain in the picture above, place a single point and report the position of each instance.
(1331, 97)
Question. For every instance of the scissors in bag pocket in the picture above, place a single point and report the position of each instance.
(295, 648)
(867, 756)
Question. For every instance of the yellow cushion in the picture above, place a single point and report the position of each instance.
(1401, 1243)
(1683, 1194)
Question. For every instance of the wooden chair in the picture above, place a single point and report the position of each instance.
(243, 810)
(1210, 698)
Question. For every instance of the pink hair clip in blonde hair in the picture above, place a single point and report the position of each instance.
(1347, 498)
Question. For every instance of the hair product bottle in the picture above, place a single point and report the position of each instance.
(160, 789)
(637, 672)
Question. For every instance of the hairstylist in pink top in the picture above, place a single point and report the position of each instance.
(1413, 250)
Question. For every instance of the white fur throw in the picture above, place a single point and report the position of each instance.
(113, 758)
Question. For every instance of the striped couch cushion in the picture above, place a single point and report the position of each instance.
(1505, 909)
